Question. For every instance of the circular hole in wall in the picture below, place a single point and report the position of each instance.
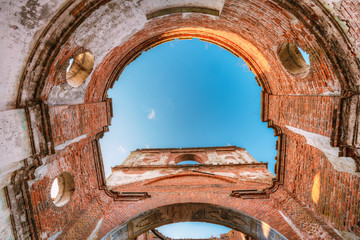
(294, 59)
(62, 189)
(79, 68)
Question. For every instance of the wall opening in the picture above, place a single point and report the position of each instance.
(294, 59)
(62, 189)
(188, 162)
(187, 93)
(198, 213)
(188, 159)
(193, 230)
(79, 68)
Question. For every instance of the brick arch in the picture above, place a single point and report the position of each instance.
(295, 18)
(191, 157)
(262, 60)
(233, 43)
(196, 212)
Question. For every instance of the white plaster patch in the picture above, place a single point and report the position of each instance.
(225, 174)
(246, 157)
(333, 94)
(162, 161)
(14, 137)
(109, 26)
(68, 142)
(7, 171)
(40, 172)
(150, 6)
(5, 223)
(119, 178)
(20, 22)
(65, 94)
(332, 4)
(341, 164)
(292, 225)
(213, 158)
(229, 160)
(257, 175)
(93, 235)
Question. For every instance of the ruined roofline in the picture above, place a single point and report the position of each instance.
(227, 165)
(190, 148)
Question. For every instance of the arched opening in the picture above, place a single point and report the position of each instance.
(188, 159)
(194, 212)
(192, 230)
(216, 93)
(79, 68)
(188, 162)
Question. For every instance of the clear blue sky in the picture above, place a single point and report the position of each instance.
(186, 93)
(193, 230)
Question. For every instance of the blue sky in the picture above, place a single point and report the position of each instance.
(193, 230)
(186, 93)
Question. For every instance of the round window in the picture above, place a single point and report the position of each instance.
(79, 68)
(62, 189)
(294, 59)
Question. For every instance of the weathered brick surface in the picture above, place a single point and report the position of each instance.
(78, 160)
(262, 209)
(253, 30)
(310, 113)
(57, 73)
(69, 122)
(339, 194)
(305, 221)
(348, 13)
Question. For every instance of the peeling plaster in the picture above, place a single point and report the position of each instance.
(225, 174)
(119, 177)
(7, 171)
(261, 175)
(332, 94)
(68, 142)
(40, 172)
(21, 20)
(341, 164)
(150, 6)
(118, 19)
(94, 234)
(15, 140)
(5, 223)
(65, 94)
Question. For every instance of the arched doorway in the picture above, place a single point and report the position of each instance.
(199, 212)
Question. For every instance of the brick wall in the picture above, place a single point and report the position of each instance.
(251, 29)
(78, 160)
(261, 209)
(310, 113)
(333, 196)
(71, 121)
